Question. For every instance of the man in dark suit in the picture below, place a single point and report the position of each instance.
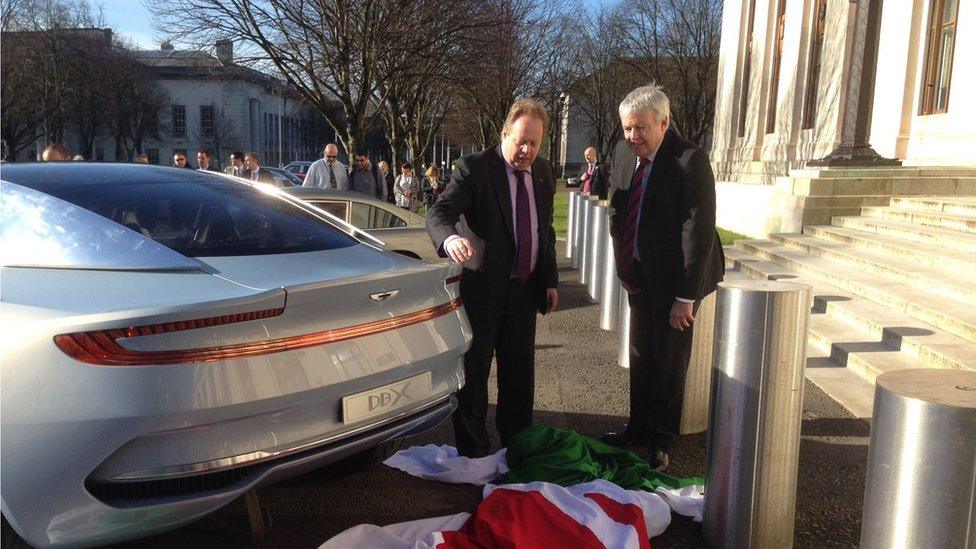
(203, 161)
(669, 257)
(254, 171)
(506, 195)
(593, 175)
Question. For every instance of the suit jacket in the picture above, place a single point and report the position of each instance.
(264, 176)
(479, 190)
(679, 248)
(600, 184)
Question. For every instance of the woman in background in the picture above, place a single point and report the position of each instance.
(434, 184)
(406, 188)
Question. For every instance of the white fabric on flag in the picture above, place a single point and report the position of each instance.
(444, 464)
(597, 514)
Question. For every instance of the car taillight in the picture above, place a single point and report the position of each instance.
(101, 347)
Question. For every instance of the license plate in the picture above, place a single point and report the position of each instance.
(380, 400)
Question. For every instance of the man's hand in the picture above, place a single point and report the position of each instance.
(682, 315)
(552, 297)
(630, 289)
(459, 249)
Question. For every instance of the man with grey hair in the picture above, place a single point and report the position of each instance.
(669, 257)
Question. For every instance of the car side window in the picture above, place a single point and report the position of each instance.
(335, 207)
(366, 216)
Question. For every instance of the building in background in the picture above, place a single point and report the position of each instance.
(224, 106)
(784, 71)
(783, 74)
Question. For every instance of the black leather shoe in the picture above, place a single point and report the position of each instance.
(619, 438)
(658, 460)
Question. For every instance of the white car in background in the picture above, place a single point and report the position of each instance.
(174, 338)
(401, 230)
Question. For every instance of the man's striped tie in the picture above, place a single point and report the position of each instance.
(633, 213)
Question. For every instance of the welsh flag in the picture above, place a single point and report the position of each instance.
(558, 489)
(539, 515)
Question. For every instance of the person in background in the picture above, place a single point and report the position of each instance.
(55, 152)
(142, 158)
(236, 167)
(433, 183)
(593, 175)
(179, 161)
(366, 179)
(328, 172)
(407, 188)
(78, 158)
(254, 171)
(387, 176)
(203, 161)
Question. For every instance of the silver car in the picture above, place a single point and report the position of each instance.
(173, 338)
(402, 231)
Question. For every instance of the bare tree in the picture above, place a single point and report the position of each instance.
(506, 60)
(676, 43)
(327, 50)
(135, 105)
(605, 78)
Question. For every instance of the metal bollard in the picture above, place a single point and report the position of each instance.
(599, 228)
(920, 489)
(610, 301)
(754, 421)
(584, 240)
(571, 225)
(623, 323)
(577, 222)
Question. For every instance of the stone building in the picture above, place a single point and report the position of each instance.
(888, 249)
(219, 104)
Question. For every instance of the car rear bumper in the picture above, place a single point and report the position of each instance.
(117, 511)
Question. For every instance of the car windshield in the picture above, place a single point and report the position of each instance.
(197, 215)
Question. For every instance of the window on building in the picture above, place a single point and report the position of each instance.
(153, 155)
(938, 56)
(746, 74)
(777, 61)
(206, 120)
(813, 63)
(179, 120)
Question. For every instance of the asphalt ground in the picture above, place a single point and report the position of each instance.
(578, 386)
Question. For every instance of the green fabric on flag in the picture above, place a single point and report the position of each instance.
(565, 457)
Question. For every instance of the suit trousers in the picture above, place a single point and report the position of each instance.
(506, 332)
(659, 357)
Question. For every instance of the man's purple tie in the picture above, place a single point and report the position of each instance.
(523, 229)
(633, 213)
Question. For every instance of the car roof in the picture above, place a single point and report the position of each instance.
(50, 177)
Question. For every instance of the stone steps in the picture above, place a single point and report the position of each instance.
(962, 206)
(948, 314)
(846, 387)
(962, 223)
(958, 284)
(895, 329)
(917, 252)
(935, 236)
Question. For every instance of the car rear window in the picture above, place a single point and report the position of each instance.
(202, 215)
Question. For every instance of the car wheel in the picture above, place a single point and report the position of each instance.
(11, 540)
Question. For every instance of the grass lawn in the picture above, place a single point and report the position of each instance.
(728, 237)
